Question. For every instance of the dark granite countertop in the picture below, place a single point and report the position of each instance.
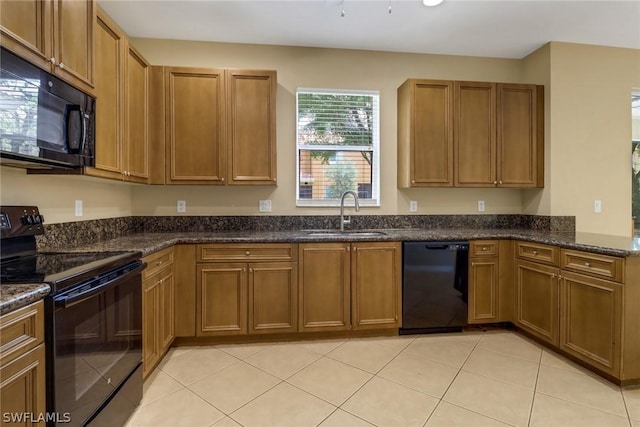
(15, 296)
(148, 243)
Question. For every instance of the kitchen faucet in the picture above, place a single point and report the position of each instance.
(344, 221)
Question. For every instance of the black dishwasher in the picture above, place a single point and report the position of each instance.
(434, 286)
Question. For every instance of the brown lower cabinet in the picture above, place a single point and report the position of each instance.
(536, 308)
(590, 320)
(158, 308)
(361, 291)
(22, 362)
(257, 296)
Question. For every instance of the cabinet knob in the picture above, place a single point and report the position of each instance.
(158, 263)
(413, 181)
(247, 253)
(484, 248)
(222, 179)
(244, 270)
(500, 182)
(586, 264)
(355, 248)
(251, 270)
(495, 182)
(535, 252)
(52, 60)
(348, 248)
(61, 65)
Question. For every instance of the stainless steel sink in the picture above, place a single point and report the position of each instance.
(362, 233)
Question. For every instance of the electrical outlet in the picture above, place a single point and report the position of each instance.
(413, 206)
(265, 205)
(480, 205)
(597, 206)
(181, 207)
(78, 207)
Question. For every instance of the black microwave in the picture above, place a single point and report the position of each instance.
(45, 123)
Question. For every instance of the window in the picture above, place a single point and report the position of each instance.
(337, 146)
(635, 161)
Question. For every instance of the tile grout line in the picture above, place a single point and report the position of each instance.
(535, 388)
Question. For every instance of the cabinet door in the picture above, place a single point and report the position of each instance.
(195, 126)
(273, 297)
(110, 48)
(518, 147)
(475, 134)
(324, 291)
(484, 290)
(23, 385)
(537, 300)
(150, 306)
(167, 309)
(136, 107)
(425, 133)
(221, 299)
(25, 28)
(73, 27)
(376, 273)
(251, 129)
(590, 319)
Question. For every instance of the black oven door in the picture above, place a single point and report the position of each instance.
(96, 344)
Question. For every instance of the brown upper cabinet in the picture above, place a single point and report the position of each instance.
(122, 113)
(425, 133)
(220, 126)
(470, 134)
(56, 35)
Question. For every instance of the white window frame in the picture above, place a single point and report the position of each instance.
(375, 170)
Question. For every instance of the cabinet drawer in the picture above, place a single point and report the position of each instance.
(157, 261)
(538, 253)
(250, 252)
(484, 248)
(20, 331)
(593, 264)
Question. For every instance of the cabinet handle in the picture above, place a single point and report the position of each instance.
(355, 248)
(158, 263)
(61, 65)
(222, 179)
(251, 270)
(500, 182)
(348, 248)
(586, 264)
(535, 252)
(484, 248)
(52, 60)
(495, 182)
(413, 181)
(247, 253)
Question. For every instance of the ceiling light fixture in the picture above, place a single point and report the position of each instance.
(431, 3)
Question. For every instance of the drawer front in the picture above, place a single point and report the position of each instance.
(157, 261)
(251, 252)
(20, 331)
(484, 248)
(538, 253)
(593, 264)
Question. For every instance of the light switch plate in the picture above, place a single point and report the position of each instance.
(265, 205)
(480, 205)
(597, 206)
(181, 206)
(79, 208)
(413, 206)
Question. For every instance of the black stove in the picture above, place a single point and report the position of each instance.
(59, 269)
(93, 321)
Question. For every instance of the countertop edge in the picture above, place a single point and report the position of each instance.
(15, 296)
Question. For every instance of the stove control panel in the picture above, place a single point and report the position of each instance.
(19, 221)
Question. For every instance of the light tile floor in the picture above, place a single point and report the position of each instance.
(493, 378)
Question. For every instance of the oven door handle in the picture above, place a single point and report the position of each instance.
(66, 301)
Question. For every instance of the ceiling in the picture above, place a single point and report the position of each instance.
(499, 28)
